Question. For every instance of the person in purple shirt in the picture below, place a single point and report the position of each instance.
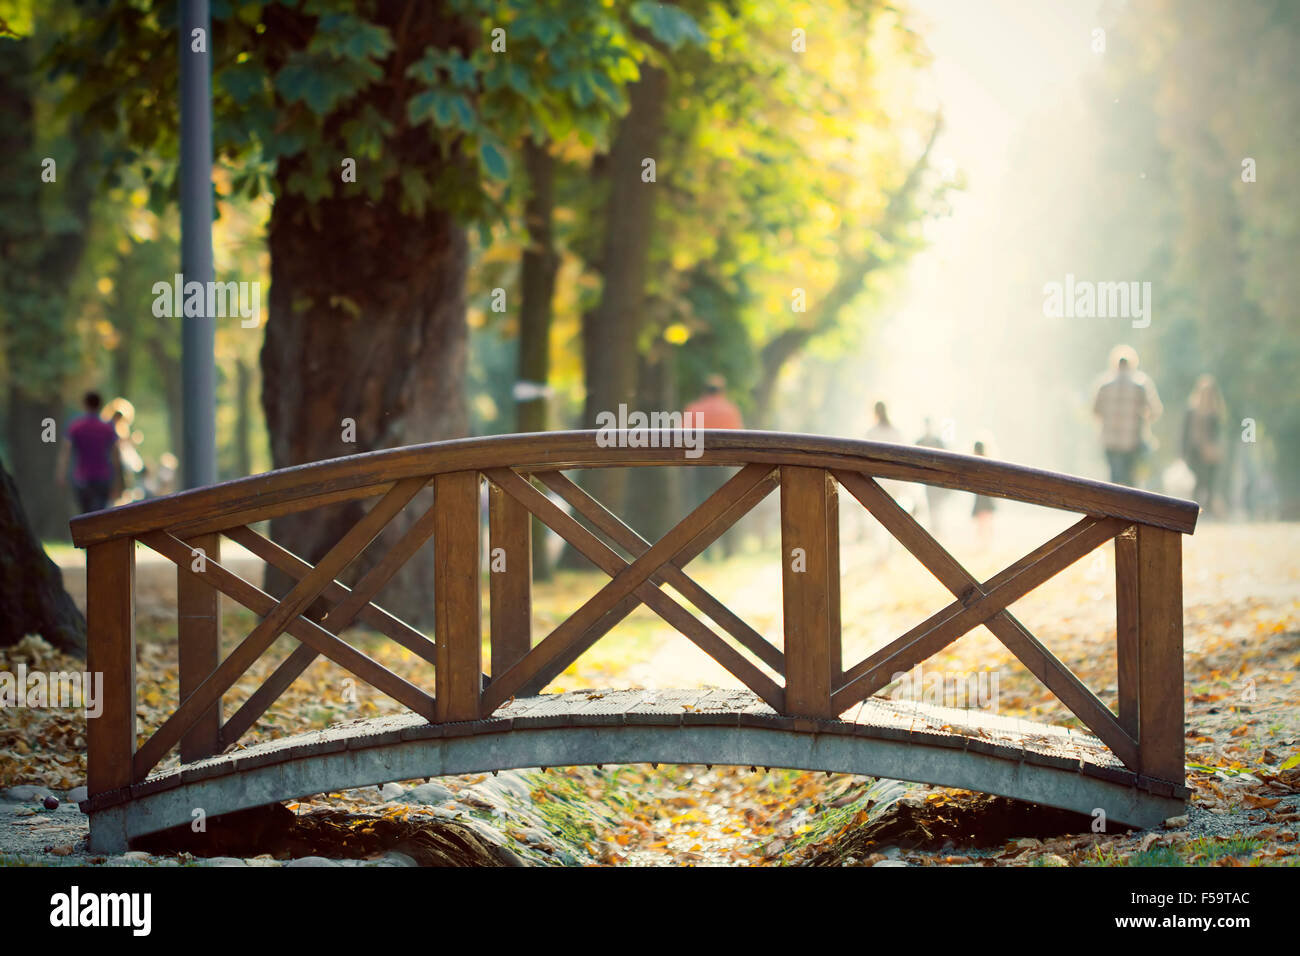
(93, 442)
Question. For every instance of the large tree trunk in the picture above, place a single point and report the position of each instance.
(535, 313)
(32, 598)
(367, 322)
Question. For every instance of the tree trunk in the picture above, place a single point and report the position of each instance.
(655, 501)
(610, 331)
(538, 284)
(169, 371)
(367, 324)
(243, 419)
(32, 597)
(35, 462)
(42, 241)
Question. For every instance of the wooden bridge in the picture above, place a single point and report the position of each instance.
(802, 708)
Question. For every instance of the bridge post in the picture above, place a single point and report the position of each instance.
(1160, 653)
(198, 642)
(810, 600)
(110, 658)
(457, 610)
(510, 579)
(1126, 629)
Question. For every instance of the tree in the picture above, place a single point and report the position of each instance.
(47, 190)
(381, 130)
(33, 600)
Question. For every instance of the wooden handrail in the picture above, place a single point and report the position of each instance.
(288, 490)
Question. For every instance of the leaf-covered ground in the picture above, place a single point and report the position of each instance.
(1242, 620)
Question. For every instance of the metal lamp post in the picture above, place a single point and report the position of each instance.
(198, 369)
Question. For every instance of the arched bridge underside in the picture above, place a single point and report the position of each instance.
(901, 740)
(803, 705)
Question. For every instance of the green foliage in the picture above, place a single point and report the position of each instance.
(297, 87)
(670, 25)
(778, 175)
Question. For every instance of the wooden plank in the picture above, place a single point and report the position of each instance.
(944, 627)
(510, 579)
(198, 639)
(371, 614)
(700, 525)
(1015, 636)
(833, 580)
(306, 631)
(267, 693)
(1160, 654)
(672, 573)
(737, 510)
(457, 610)
(110, 652)
(351, 605)
(810, 663)
(607, 560)
(276, 619)
(1126, 629)
(246, 500)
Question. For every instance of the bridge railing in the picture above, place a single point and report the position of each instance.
(1146, 734)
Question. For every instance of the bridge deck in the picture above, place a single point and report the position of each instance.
(916, 724)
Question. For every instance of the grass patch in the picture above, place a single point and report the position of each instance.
(1201, 852)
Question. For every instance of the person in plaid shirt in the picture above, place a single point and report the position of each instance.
(1126, 404)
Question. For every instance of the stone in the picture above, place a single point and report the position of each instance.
(893, 863)
(313, 861)
(508, 783)
(223, 861)
(430, 794)
(24, 793)
(77, 794)
(1173, 823)
(391, 791)
(394, 858)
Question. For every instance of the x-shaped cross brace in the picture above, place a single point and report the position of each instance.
(634, 583)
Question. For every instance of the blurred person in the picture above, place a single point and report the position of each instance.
(934, 495)
(883, 429)
(92, 446)
(168, 466)
(1126, 404)
(129, 475)
(984, 507)
(712, 409)
(1203, 438)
